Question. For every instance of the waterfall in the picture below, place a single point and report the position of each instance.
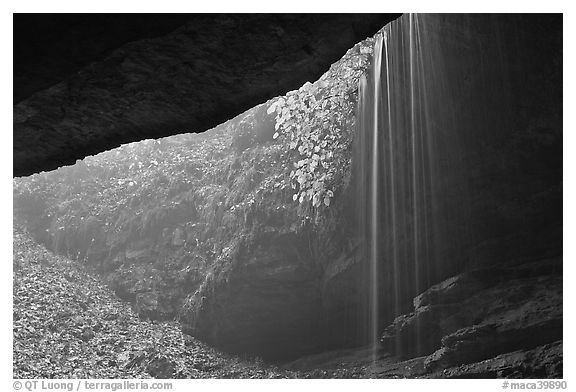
(442, 114)
(398, 170)
(374, 203)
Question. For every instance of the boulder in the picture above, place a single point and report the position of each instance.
(421, 332)
(479, 315)
(541, 362)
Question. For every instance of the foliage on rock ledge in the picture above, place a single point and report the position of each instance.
(318, 120)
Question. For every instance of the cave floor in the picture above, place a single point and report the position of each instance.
(69, 324)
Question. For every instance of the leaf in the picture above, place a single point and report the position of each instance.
(272, 108)
(327, 201)
(275, 135)
(315, 201)
(306, 87)
(295, 196)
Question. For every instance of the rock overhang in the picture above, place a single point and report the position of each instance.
(84, 84)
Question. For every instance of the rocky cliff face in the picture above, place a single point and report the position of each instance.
(204, 227)
(481, 314)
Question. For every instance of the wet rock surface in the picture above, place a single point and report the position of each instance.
(501, 311)
(541, 362)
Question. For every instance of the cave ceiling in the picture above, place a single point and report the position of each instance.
(84, 83)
